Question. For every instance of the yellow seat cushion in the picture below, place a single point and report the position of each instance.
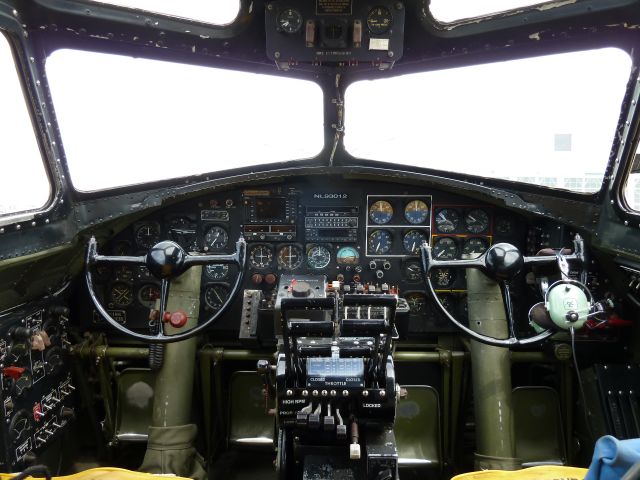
(105, 473)
(551, 472)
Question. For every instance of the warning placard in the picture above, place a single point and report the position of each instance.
(333, 7)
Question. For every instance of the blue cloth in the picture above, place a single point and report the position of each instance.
(612, 458)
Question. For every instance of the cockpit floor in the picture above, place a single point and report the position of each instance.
(235, 465)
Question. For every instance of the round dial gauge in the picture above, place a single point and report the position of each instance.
(474, 246)
(318, 257)
(416, 212)
(216, 238)
(20, 426)
(477, 220)
(442, 277)
(448, 303)
(260, 256)
(347, 256)
(216, 271)
(148, 294)
(121, 294)
(289, 20)
(412, 271)
(380, 242)
(215, 296)
(447, 220)
(417, 303)
(290, 257)
(148, 235)
(445, 248)
(504, 226)
(412, 240)
(182, 230)
(379, 20)
(380, 212)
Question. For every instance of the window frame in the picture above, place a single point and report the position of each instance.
(25, 79)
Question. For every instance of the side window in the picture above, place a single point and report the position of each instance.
(25, 184)
(632, 187)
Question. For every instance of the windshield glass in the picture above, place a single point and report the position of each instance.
(452, 10)
(127, 120)
(545, 121)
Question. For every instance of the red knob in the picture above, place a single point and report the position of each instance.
(178, 319)
(256, 278)
(270, 278)
(13, 372)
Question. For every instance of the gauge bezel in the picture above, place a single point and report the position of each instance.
(427, 211)
(467, 240)
(370, 250)
(344, 247)
(314, 246)
(371, 213)
(484, 224)
(128, 286)
(207, 273)
(439, 239)
(136, 232)
(270, 256)
(291, 245)
(211, 286)
(456, 224)
(405, 267)
(207, 244)
(424, 235)
(146, 303)
(410, 293)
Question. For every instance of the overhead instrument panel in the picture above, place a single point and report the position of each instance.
(345, 33)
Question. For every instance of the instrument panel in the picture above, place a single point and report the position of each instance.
(365, 235)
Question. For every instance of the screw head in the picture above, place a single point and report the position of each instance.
(345, 393)
(314, 393)
(365, 393)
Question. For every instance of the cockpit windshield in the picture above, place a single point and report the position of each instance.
(533, 120)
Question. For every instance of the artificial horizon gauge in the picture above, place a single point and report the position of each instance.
(260, 256)
(442, 277)
(290, 257)
(380, 242)
(380, 212)
(289, 20)
(413, 271)
(416, 212)
(417, 302)
(215, 296)
(412, 241)
(447, 220)
(347, 256)
(182, 230)
(147, 235)
(121, 294)
(216, 238)
(318, 257)
(445, 248)
(379, 20)
(474, 246)
(148, 294)
(216, 271)
(477, 220)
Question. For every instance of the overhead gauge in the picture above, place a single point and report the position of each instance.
(417, 302)
(412, 271)
(215, 296)
(380, 212)
(290, 257)
(121, 294)
(447, 220)
(260, 256)
(442, 277)
(347, 256)
(379, 242)
(416, 212)
(148, 294)
(147, 235)
(216, 271)
(379, 20)
(216, 238)
(289, 20)
(412, 240)
(318, 257)
(474, 246)
(445, 248)
(477, 220)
